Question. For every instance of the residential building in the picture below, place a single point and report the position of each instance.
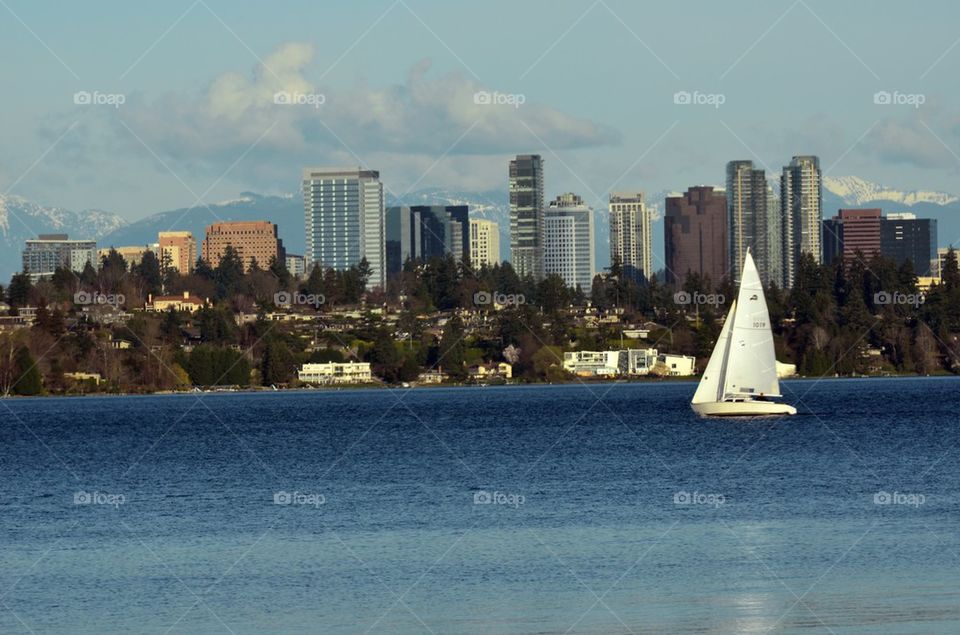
(631, 237)
(801, 203)
(749, 225)
(640, 361)
(178, 251)
(527, 215)
(492, 370)
(344, 217)
(43, 255)
(251, 240)
(184, 302)
(484, 243)
(677, 365)
(568, 241)
(424, 232)
(695, 235)
(296, 265)
(592, 363)
(632, 362)
(904, 237)
(335, 373)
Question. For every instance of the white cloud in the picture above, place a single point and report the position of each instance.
(407, 126)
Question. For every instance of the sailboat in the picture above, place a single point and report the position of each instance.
(741, 377)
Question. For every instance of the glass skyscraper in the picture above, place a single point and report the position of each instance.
(526, 215)
(344, 217)
(801, 203)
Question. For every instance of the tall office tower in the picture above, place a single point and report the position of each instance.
(695, 235)
(631, 239)
(344, 217)
(252, 240)
(484, 243)
(749, 220)
(46, 253)
(801, 203)
(178, 250)
(774, 235)
(526, 215)
(904, 237)
(849, 232)
(423, 232)
(568, 241)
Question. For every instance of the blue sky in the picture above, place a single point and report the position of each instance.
(398, 79)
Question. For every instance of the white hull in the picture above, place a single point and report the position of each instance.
(750, 408)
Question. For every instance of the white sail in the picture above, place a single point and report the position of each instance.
(709, 389)
(751, 367)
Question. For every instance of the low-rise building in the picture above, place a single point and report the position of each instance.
(335, 373)
(185, 302)
(592, 363)
(640, 361)
(635, 362)
(94, 377)
(677, 365)
(432, 377)
(501, 370)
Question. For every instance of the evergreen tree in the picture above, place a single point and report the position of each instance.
(148, 270)
(30, 381)
(18, 293)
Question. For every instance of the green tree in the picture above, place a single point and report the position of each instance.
(18, 293)
(30, 381)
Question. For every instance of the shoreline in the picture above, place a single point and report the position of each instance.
(381, 386)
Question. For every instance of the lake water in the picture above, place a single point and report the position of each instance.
(608, 508)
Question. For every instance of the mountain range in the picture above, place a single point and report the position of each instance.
(21, 219)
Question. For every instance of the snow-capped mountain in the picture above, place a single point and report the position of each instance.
(856, 191)
(22, 219)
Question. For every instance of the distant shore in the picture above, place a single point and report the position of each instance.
(412, 386)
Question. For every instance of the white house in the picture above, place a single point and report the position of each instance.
(678, 365)
(335, 373)
(592, 363)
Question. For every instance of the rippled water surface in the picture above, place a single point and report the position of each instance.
(607, 508)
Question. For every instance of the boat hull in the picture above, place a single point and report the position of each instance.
(743, 409)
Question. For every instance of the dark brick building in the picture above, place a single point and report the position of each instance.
(695, 235)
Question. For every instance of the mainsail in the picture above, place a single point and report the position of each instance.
(750, 368)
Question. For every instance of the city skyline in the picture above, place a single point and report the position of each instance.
(154, 139)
